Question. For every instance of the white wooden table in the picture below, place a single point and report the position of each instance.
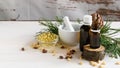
(15, 35)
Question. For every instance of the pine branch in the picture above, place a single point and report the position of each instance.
(52, 27)
(112, 45)
(59, 20)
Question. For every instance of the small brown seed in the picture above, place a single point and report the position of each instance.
(72, 51)
(22, 49)
(44, 51)
(62, 47)
(61, 57)
(35, 47)
(68, 53)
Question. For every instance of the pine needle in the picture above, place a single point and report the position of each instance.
(59, 20)
(52, 27)
(111, 44)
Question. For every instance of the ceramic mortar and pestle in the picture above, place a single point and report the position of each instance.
(69, 32)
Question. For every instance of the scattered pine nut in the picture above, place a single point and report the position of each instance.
(80, 57)
(53, 54)
(68, 59)
(101, 66)
(103, 63)
(93, 63)
(117, 63)
(53, 51)
(68, 49)
(80, 63)
(35, 45)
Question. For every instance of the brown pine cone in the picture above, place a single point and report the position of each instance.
(97, 21)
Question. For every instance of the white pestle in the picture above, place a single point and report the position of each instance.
(67, 24)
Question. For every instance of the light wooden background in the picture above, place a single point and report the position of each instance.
(48, 9)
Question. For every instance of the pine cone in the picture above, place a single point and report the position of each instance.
(97, 21)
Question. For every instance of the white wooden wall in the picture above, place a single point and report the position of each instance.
(48, 9)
